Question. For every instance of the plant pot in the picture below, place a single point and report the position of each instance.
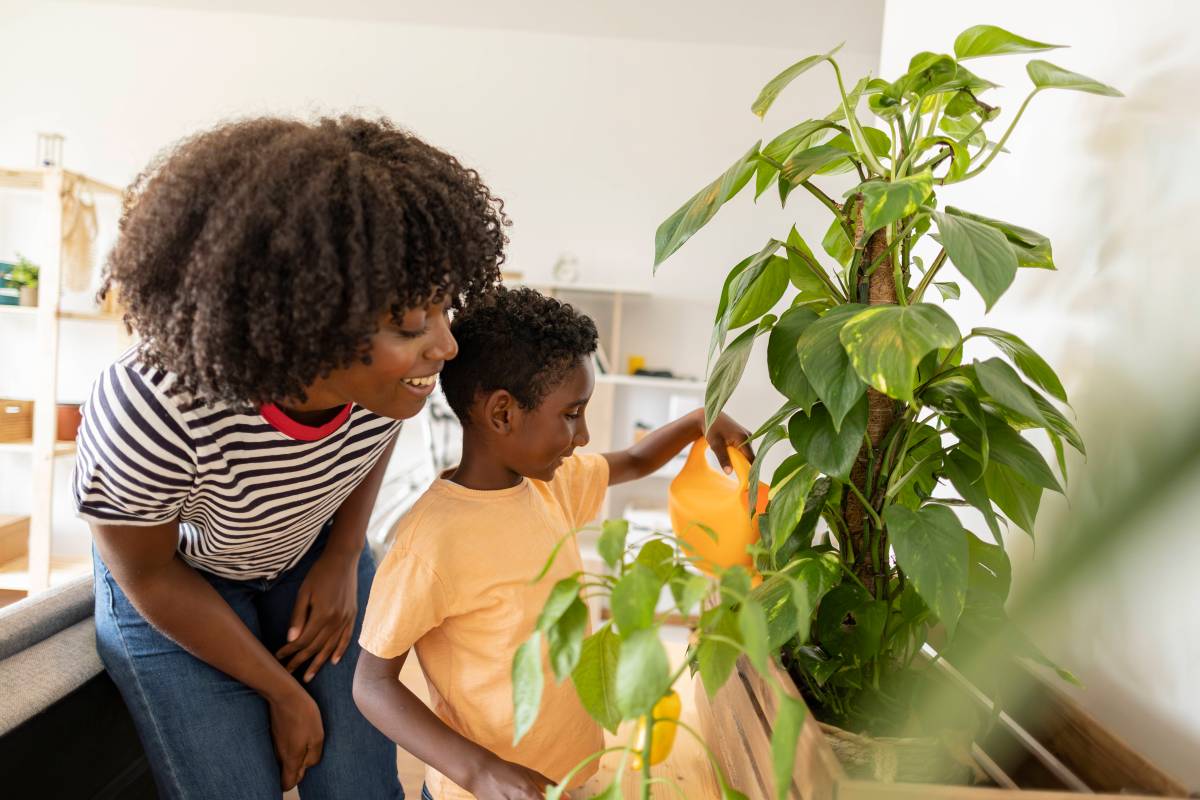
(69, 417)
(29, 295)
(1070, 746)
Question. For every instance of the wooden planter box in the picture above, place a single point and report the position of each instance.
(1071, 747)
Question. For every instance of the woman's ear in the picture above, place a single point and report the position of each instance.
(498, 410)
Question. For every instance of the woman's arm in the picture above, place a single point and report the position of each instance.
(392, 708)
(327, 603)
(176, 600)
(660, 446)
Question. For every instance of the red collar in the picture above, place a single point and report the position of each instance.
(298, 430)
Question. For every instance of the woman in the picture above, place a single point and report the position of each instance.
(290, 285)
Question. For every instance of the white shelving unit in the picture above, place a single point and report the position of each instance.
(37, 570)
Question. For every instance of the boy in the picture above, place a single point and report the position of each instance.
(456, 583)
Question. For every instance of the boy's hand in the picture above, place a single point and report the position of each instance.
(723, 434)
(504, 780)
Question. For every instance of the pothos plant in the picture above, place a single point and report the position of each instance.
(889, 428)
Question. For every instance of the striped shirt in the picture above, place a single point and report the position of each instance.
(251, 489)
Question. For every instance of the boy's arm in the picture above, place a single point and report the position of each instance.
(391, 707)
(660, 446)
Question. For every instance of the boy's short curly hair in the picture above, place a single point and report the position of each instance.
(255, 257)
(516, 339)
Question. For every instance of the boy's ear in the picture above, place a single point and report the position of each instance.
(499, 408)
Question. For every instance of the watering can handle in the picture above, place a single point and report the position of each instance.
(741, 465)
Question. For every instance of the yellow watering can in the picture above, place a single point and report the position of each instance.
(700, 495)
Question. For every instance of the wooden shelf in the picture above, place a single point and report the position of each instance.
(652, 382)
(60, 448)
(90, 316)
(14, 575)
(583, 288)
(36, 179)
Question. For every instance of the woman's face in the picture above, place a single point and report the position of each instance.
(406, 355)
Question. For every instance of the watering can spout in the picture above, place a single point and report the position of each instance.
(704, 503)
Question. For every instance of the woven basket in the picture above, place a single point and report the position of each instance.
(16, 420)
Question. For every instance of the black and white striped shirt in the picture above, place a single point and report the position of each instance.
(251, 489)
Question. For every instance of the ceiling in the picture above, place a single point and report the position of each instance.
(790, 24)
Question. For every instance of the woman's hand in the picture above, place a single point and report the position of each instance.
(297, 733)
(504, 780)
(323, 618)
(725, 433)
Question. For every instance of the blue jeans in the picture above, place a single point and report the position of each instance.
(206, 734)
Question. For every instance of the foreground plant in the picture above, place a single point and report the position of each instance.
(889, 428)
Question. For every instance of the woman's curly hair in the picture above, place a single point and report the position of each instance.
(255, 257)
(516, 339)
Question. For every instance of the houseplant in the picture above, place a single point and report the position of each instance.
(889, 428)
(24, 274)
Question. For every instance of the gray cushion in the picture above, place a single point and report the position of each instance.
(43, 673)
(35, 618)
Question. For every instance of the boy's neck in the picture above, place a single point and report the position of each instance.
(480, 470)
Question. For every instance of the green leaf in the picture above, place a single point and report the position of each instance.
(527, 685)
(566, 638)
(1057, 424)
(837, 244)
(949, 290)
(777, 84)
(703, 206)
(716, 659)
(1028, 361)
(1007, 389)
(884, 202)
(728, 370)
(752, 622)
(1048, 76)
(658, 557)
(849, 623)
(721, 321)
(964, 475)
(783, 145)
(688, 589)
(561, 596)
(885, 344)
(783, 362)
(1031, 248)
(1016, 497)
(826, 364)
(988, 40)
(829, 450)
(981, 254)
(931, 547)
(633, 599)
(802, 165)
(787, 503)
(801, 269)
(1010, 449)
(595, 677)
(611, 545)
(990, 570)
(761, 293)
(643, 673)
(785, 732)
(773, 437)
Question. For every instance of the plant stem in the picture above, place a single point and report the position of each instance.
(866, 506)
(860, 141)
(927, 278)
(818, 271)
(829, 203)
(891, 247)
(1004, 138)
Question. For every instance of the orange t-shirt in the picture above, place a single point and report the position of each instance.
(456, 586)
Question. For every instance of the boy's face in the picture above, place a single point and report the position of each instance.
(541, 438)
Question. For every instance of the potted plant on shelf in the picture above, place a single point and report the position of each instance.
(890, 430)
(24, 274)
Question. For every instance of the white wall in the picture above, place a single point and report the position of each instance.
(590, 141)
(1111, 181)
